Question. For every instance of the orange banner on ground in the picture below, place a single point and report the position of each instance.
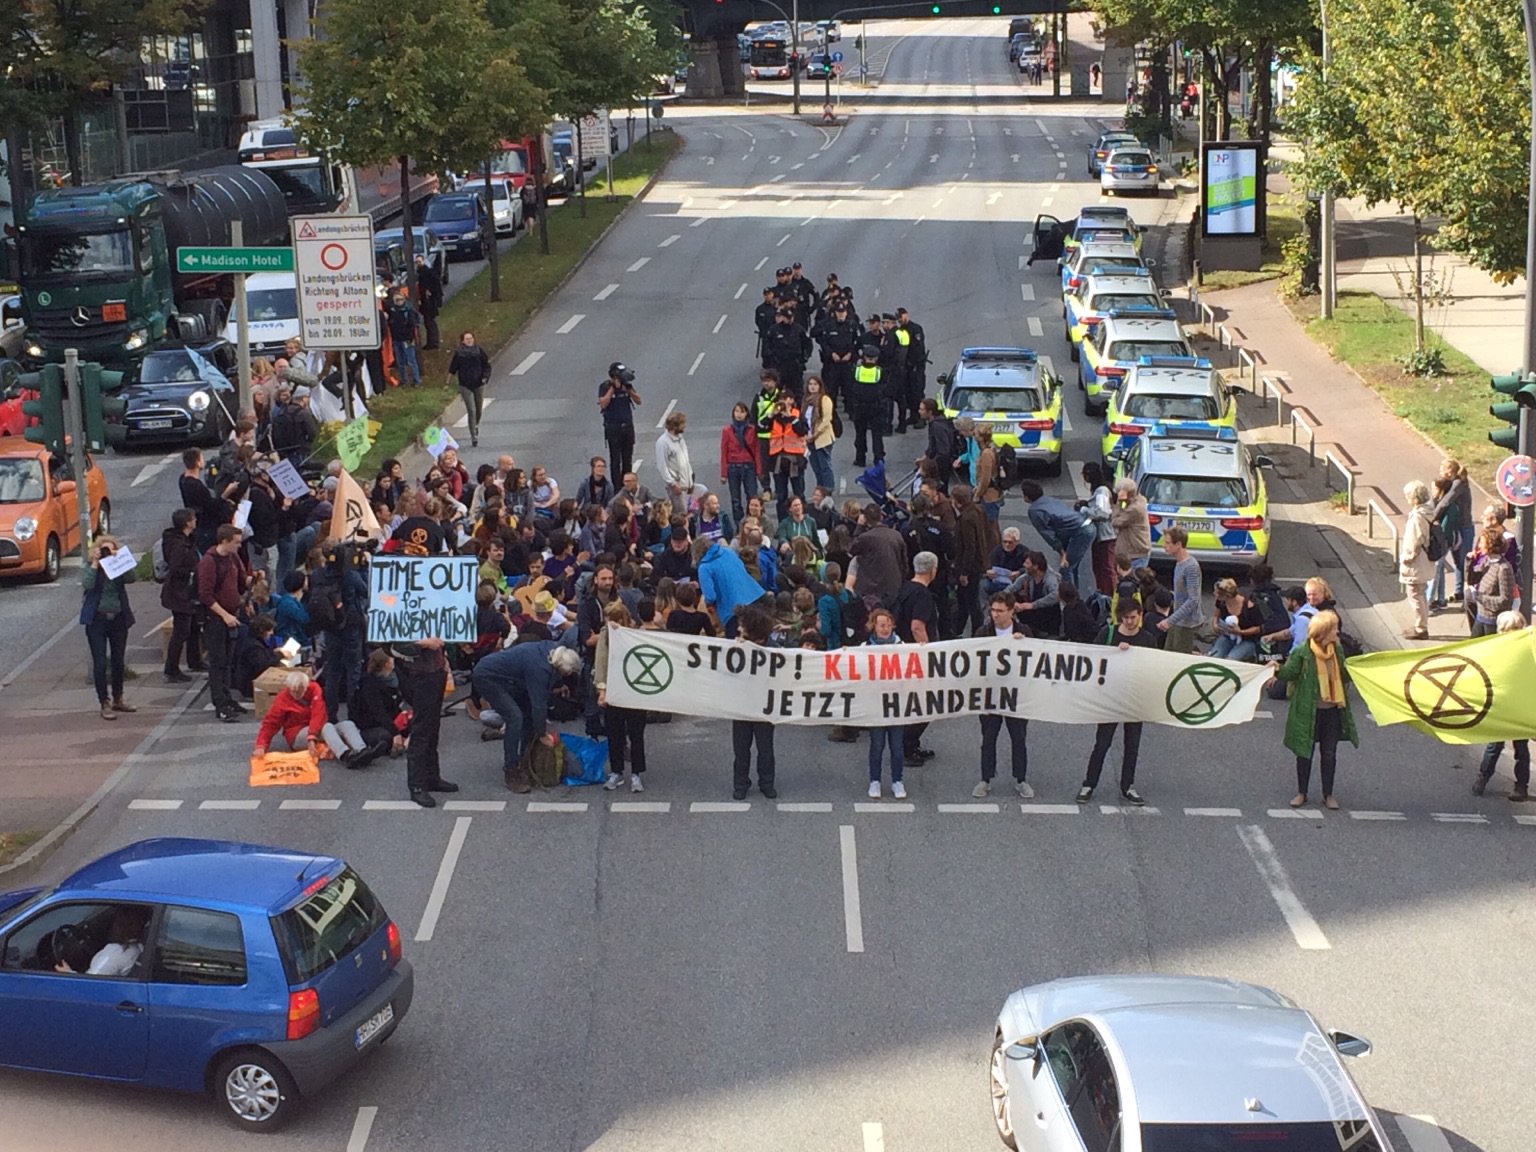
(277, 768)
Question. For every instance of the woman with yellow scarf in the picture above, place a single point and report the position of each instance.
(1319, 712)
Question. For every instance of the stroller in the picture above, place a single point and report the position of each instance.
(892, 498)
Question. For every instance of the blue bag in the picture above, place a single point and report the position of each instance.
(586, 760)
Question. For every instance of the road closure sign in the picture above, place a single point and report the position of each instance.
(334, 259)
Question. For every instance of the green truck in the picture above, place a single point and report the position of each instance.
(97, 264)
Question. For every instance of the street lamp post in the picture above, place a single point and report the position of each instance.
(1328, 283)
(794, 61)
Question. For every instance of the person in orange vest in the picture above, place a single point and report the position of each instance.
(787, 451)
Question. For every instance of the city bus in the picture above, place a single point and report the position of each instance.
(769, 59)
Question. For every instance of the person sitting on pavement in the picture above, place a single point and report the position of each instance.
(297, 714)
(378, 711)
(255, 653)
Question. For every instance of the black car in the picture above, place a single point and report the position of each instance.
(182, 394)
(461, 222)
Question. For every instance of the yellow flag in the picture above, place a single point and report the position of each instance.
(352, 516)
(1471, 692)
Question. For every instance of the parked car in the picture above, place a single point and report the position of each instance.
(1129, 169)
(462, 222)
(256, 974)
(184, 394)
(40, 521)
(424, 242)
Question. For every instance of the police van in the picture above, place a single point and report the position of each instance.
(1111, 348)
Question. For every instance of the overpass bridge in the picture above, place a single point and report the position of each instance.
(715, 65)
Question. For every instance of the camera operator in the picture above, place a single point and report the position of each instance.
(617, 399)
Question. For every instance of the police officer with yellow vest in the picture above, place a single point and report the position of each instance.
(764, 404)
(787, 451)
(916, 381)
(866, 402)
(894, 344)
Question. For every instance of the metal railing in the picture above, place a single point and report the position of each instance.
(1275, 389)
(1331, 460)
(1298, 421)
(1374, 510)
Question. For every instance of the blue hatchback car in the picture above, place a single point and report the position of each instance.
(258, 975)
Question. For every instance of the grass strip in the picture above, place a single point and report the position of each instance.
(1282, 221)
(13, 844)
(527, 280)
(1369, 335)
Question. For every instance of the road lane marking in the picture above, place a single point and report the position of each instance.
(1368, 815)
(796, 167)
(760, 263)
(853, 918)
(1049, 809)
(154, 805)
(639, 264)
(150, 471)
(1023, 263)
(444, 878)
(720, 323)
(1054, 188)
(774, 159)
(526, 363)
(699, 222)
(557, 806)
(362, 1125)
(463, 421)
(697, 360)
(933, 158)
(1028, 292)
(727, 205)
(739, 292)
(937, 202)
(1014, 156)
(803, 806)
(854, 159)
(866, 808)
(1213, 811)
(777, 178)
(1129, 810)
(1035, 327)
(670, 240)
(474, 805)
(807, 220)
(1305, 929)
(606, 292)
(656, 807)
(1422, 1133)
(717, 806)
(1527, 821)
(892, 198)
(709, 161)
(671, 404)
(229, 805)
(874, 1137)
(392, 806)
(783, 239)
(309, 806)
(1295, 813)
(959, 809)
(1458, 818)
(1047, 201)
(994, 197)
(570, 324)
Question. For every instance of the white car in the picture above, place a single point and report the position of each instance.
(506, 206)
(1129, 169)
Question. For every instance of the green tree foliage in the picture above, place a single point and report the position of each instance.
(1427, 105)
(61, 57)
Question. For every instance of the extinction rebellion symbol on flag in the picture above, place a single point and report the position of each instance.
(648, 670)
(1198, 694)
(1448, 691)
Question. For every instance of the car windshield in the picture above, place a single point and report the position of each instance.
(326, 926)
(1136, 349)
(1195, 492)
(509, 162)
(1105, 301)
(272, 304)
(53, 254)
(1118, 158)
(1109, 262)
(1330, 1136)
(1152, 407)
(995, 400)
(181, 366)
(441, 210)
(303, 183)
(498, 189)
(21, 481)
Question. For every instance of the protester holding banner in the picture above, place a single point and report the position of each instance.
(1002, 624)
(756, 626)
(882, 630)
(1319, 713)
(1127, 634)
(625, 726)
(1510, 621)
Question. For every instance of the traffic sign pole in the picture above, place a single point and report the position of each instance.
(1527, 517)
(74, 421)
(242, 330)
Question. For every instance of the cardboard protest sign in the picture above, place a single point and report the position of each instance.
(276, 768)
(353, 442)
(421, 598)
(438, 440)
(287, 479)
(909, 683)
(120, 563)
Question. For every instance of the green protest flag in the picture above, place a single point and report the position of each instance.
(353, 442)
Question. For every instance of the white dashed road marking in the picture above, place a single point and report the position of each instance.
(1028, 292)
(1213, 811)
(606, 292)
(739, 292)
(362, 1125)
(1308, 934)
(720, 323)
(154, 805)
(639, 264)
(670, 240)
(309, 805)
(853, 917)
(661, 421)
(1035, 327)
(444, 878)
(697, 360)
(526, 363)
(557, 806)
(570, 324)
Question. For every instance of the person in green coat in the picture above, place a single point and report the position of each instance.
(1320, 712)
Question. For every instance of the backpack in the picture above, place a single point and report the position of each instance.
(1007, 467)
(1435, 545)
(1350, 644)
(1098, 607)
(1271, 608)
(162, 568)
(854, 615)
(326, 611)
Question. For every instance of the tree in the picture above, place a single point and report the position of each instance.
(61, 57)
(431, 83)
(1426, 104)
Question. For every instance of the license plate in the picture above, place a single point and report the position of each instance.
(154, 425)
(372, 1026)
(1198, 525)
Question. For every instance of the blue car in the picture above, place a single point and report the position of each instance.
(256, 974)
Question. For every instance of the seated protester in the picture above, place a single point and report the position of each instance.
(492, 625)
(298, 713)
(686, 618)
(658, 524)
(255, 652)
(767, 561)
(561, 562)
(1147, 586)
(258, 598)
(1237, 623)
(491, 555)
(1038, 607)
(676, 560)
(289, 615)
(421, 534)
(551, 615)
(648, 620)
(568, 518)
(377, 709)
(620, 532)
(813, 641)
(831, 606)
(822, 510)
(1267, 596)
(125, 944)
(594, 529)
(1078, 623)
(786, 622)
(1280, 642)
(804, 601)
(626, 577)
(1005, 563)
(525, 588)
(802, 555)
(712, 522)
(665, 597)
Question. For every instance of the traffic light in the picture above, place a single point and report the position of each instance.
(997, 9)
(936, 9)
(1521, 386)
(102, 411)
(48, 407)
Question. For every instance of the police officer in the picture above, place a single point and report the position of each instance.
(764, 404)
(838, 335)
(893, 360)
(804, 291)
(917, 365)
(762, 317)
(866, 402)
(784, 350)
(617, 398)
(783, 290)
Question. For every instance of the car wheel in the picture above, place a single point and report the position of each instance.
(1077, 352)
(255, 1091)
(1002, 1110)
(51, 555)
(1053, 469)
(104, 518)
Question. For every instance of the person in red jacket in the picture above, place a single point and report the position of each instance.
(298, 714)
(738, 458)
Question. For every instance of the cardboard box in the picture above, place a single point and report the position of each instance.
(265, 689)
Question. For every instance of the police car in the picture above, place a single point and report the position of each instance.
(1013, 392)
(1176, 393)
(1100, 255)
(1207, 483)
(1111, 348)
(1057, 240)
(1100, 291)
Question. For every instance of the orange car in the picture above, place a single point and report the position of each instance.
(39, 516)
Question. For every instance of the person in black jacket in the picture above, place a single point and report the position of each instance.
(676, 559)
(837, 332)
(179, 597)
(429, 286)
(916, 378)
(943, 441)
(197, 496)
(375, 708)
(762, 318)
(254, 654)
(473, 368)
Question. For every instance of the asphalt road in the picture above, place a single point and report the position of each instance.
(666, 972)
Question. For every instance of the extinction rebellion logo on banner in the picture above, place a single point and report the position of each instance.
(906, 683)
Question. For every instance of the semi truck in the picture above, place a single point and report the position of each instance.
(97, 264)
(315, 186)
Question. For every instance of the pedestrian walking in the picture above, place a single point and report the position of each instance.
(1509, 621)
(1182, 625)
(473, 368)
(176, 570)
(617, 399)
(625, 726)
(756, 627)
(1002, 624)
(107, 617)
(222, 579)
(1127, 634)
(1319, 713)
(1415, 565)
(882, 631)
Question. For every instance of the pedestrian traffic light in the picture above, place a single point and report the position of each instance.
(47, 408)
(102, 411)
(936, 9)
(1522, 387)
(997, 9)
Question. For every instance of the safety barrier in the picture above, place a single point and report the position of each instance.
(1373, 511)
(1275, 389)
(1246, 361)
(1298, 421)
(1336, 457)
(1207, 318)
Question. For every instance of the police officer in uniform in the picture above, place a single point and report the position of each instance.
(764, 405)
(783, 290)
(784, 350)
(866, 402)
(917, 366)
(838, 335)
(893, 360)
(804, 291)
(763, 319)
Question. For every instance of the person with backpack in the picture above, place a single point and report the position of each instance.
(1127, 634)
(1453, 512)
(1003, 625)
(403, 319)
(1416, 556)
(175, 559)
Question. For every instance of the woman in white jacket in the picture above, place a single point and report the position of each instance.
(1414, 567)
(674, 466)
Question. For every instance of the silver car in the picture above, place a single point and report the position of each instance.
(1129, 169)
(1173, 1064)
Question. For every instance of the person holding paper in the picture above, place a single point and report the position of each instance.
(107, 616)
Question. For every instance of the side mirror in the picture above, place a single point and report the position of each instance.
(1165, 293)
(943, 379)
(1150, 263)
(64, 488)
(1263, 462)
(1024, 1050)
(1231, 390)
(1348, 1044)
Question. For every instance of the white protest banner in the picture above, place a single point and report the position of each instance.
(242, 515)
(288, 480)
(421, 598)
(908, 683)
(120, 563)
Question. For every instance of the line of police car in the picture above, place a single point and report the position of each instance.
(1168, 421)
